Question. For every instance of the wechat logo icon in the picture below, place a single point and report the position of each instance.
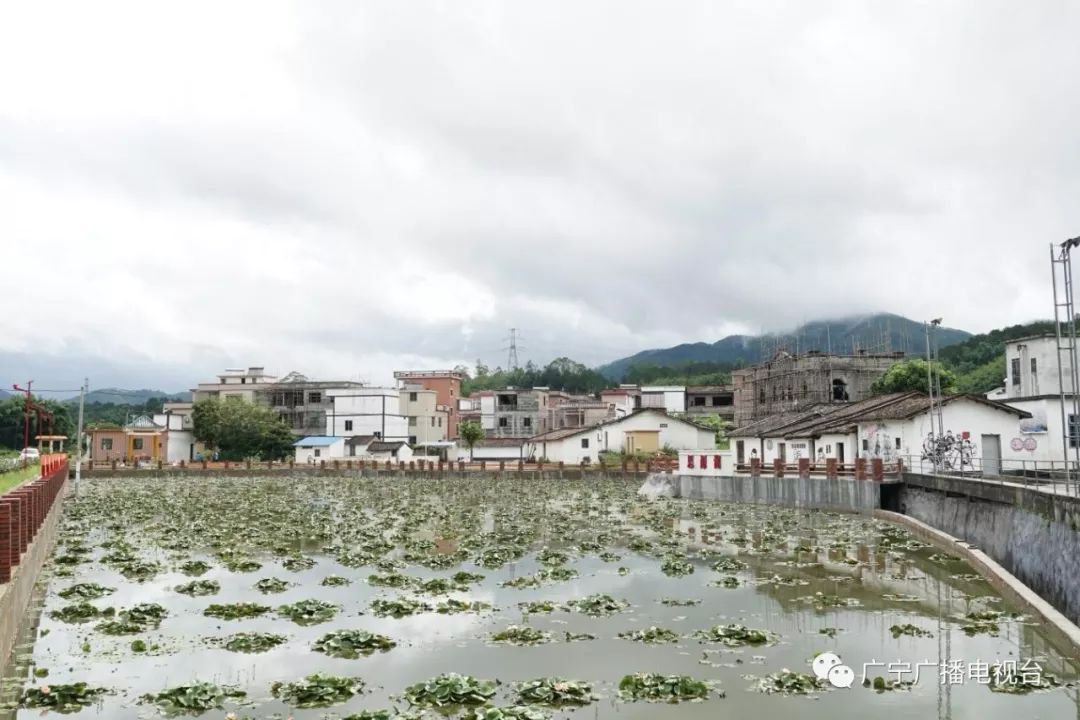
(829, 667)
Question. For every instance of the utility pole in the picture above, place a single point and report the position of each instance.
(26, 417)
(930, 394)
(78, 430)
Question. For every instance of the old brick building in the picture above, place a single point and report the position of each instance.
(789, 382)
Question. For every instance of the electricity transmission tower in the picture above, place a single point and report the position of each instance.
(512, 351)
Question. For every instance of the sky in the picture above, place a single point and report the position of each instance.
(347, 188)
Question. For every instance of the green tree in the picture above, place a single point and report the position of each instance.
(984, 378)
(240, 430)
(471, 432)
(910, 376)
(13, 412)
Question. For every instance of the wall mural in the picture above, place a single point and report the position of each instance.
(879, 443)
(949, 451)
(1036, 423)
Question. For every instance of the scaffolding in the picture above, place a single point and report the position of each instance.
(1062, 279)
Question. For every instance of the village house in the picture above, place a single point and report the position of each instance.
(447, 387)
(317, 448)
(648, 430)
(427, 420)
(890, 427)
(711, 400)
(374, 411)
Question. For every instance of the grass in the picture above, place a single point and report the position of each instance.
(14, 478)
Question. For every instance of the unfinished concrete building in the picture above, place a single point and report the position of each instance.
(301, 403)
(788, 382)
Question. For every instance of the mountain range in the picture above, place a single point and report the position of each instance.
(879, 332)
(118, 396)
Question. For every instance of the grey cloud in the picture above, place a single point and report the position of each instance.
(607, 176)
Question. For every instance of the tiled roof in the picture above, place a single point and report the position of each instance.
(385, 445)
(316, 441)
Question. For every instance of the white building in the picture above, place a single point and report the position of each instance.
(1032, 384)
(890, 427)
(317, 448)
(374, 411)
(647, 430)
(176, 419)
(622, 400)
(397, 450)
(670, 398)
(234, 384)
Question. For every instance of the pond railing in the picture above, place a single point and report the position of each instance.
(24, 509)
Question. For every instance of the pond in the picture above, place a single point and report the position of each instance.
(228, 594)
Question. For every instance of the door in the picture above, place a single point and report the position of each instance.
(840, 453)
(739, 450)
(991, 454)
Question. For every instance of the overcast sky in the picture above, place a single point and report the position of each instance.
(346, 188)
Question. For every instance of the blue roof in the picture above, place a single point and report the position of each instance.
(316, 441)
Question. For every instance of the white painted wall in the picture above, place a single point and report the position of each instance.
(1044, 381)
(589, 443)
(671, 398)
(372, 411)
(502, 452)
(404, 454)
(179, 446)
(487, 412)
(1041, 438)
(315, 454)
(960, 416)
(623, 404)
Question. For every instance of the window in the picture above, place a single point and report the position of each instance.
(432, 421)
(527, 422)
(1074, 431)
(761, 396)
(502, 422)
(317, 452)
(243, 381)
(699, 401)
(412, 439)
(839, 390)
(412, 421)
(584, 443)
(1015, 371)
(314, 398)
(348, 426)
(136, 444)
(866, 445)
(412, 397)
(1034, 366)
(716, 400)
(440, 422)
(106, 443)
(897, 443)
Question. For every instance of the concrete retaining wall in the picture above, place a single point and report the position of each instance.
(844, 494)
(1042, 549)
(15, 595)
(1064, 635)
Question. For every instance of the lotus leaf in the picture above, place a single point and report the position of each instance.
(317, 690)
